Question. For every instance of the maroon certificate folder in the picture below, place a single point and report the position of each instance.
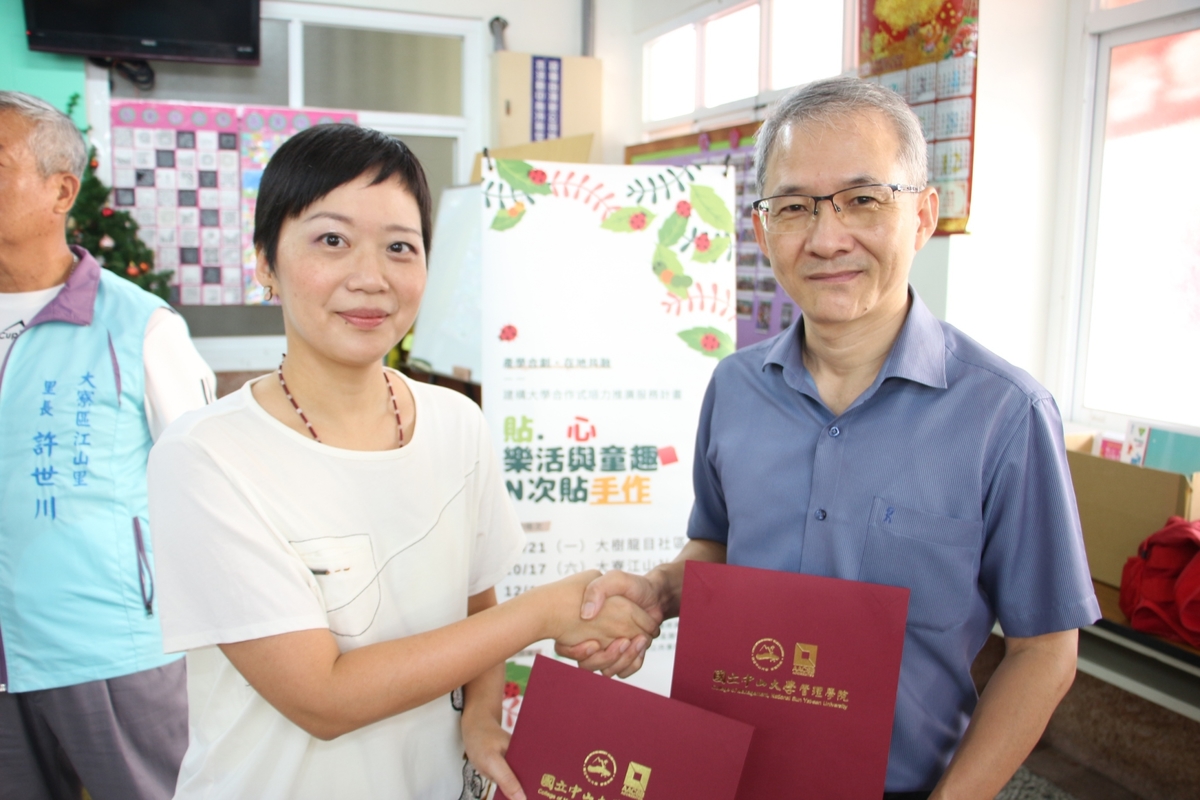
(584, 737)
(812, 663)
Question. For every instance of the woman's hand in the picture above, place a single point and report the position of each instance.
(618, 620)
(486, 743)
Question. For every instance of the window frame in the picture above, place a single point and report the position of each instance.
(1096, 32)
(738, 111)
(467, 129)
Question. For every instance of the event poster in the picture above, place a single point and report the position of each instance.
(926, 51)
(608, 299)
(763, 307)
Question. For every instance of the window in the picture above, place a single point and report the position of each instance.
(372, 70)
(731, 57)
(806, 41)
(1140, 309)
(738, 60)
(671, 74)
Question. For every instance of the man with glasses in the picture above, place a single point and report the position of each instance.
(872, 442)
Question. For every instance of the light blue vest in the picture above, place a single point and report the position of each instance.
(76, 571)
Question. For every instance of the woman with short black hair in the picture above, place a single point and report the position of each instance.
(328, 537)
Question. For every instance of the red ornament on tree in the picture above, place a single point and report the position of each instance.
(106, 212)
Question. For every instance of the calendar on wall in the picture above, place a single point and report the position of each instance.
(926, 52)
(188, 174)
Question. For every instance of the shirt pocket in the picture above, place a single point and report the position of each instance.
(345, 570)
(936, 558)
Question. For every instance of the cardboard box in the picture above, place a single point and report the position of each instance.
(1120, 505)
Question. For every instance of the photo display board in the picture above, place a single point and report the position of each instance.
(926, 51)
(189, 174)
(608, 299)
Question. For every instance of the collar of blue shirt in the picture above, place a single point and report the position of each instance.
(918, 355)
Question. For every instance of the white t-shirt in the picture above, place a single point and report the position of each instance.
(259, 530)
(177, 378)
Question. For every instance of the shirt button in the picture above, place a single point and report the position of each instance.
(821, 515)
(834, 431)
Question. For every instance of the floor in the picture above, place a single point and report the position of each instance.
(1049, 775)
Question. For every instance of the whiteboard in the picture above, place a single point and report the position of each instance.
(448, 332)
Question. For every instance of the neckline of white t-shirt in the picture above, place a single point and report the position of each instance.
(20, 300)
(320, 447)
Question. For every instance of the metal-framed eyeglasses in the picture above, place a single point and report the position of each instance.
(856, 207)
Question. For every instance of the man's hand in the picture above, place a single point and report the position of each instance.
(1012, 712)
(657, 593)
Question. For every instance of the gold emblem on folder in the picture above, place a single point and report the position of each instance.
(767, 654)
(636, 779)
(805, 661)
(600, 768)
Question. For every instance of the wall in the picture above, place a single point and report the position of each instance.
(1000, 274)
(997, 279)
(994, 283)
(542, 27)
(50, 76)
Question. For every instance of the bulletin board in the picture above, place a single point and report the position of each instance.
(926, 51)
(763, 308)
(189, 174)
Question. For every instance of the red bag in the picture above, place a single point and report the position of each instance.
(1160, 586)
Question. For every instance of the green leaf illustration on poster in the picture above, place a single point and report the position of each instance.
(517, 674)
(522, 177)
(508, 217)
(668, 269)
(708, 250)
(672, 230)
(628, 219)
(711, 208)
(708, 341)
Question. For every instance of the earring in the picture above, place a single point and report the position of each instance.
(268, 293)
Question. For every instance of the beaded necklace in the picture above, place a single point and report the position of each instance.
(312, 430)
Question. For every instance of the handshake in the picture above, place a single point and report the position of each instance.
(607, 621)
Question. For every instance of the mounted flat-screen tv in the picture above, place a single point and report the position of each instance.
(216, 31)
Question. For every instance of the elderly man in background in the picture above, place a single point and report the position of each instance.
(92, 369)
(872, 442)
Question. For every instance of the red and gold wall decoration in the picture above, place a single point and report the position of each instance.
(926, 51)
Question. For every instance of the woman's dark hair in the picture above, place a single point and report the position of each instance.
(318, 160)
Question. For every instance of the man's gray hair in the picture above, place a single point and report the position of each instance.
(56, 143)
(832, 100)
